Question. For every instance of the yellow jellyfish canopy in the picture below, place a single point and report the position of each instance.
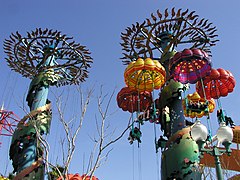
(195, 106)
(145, 75)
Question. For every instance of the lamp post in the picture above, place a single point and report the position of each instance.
(199, 133)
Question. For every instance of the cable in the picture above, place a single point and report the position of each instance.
(7, 161)
(5, 87)
(139, 163)
(158, 166)
(133, 160)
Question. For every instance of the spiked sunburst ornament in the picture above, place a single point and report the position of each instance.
(180, 28)
(27, 55)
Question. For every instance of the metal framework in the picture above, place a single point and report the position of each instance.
(49, 58)
(8, 122)
(160, 37)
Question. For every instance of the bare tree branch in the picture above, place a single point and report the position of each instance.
(102, 132)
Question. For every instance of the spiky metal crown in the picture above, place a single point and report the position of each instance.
(142, 40)
(26, 55)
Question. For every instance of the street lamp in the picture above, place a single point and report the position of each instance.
(199, 133)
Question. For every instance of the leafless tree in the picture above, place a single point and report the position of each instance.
(101, 150)
(102, 141)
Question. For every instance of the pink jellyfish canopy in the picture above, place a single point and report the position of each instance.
(189, 66)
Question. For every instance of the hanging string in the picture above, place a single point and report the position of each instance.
(219, 104)
(221, 110)
(133, 160)
(139, 163)
(5, 87)
(157, 152)
(209, 125)
(186, 100)
(132, 115)
(155, 131)
(158, 166)
(138, 108)
(7, 158)
(138, 96)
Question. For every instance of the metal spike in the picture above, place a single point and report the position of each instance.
(137, 25)
(36, 31)
(149, 22)
(12, 39)
(45, 31)
(193, 17)
(190, 15)
(159, 14)
(178, 13)
(29, 35)
(153, 17)
(50, 32)
(58, 34)
(19, 35)
(213, 36)
(210, 29)
(173, 12)
(33, 33)
(215, 41)
(40, 31)
(185, 12)
(54, 33)
(211, 33)
(15, 36)
(206, 27)
(133, 27)
(205, 23)
(166, 27)
(194, 22)
(166, 13)
(200, 22)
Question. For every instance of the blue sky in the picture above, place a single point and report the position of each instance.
(98, 25)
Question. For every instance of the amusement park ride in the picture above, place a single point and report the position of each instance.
(48, 58)
(8, 122)
(167, 53)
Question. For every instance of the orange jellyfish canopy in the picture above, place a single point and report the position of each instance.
(145, 75)
(218, 84)
(189, 66)
(133, 101)
(72, 177)
(89, 177)
(197, 106)
(78, 177)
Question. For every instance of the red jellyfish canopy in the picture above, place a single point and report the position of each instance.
(132, 100)
(218, 84)
(189, 66)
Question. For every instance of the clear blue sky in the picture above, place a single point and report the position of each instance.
(98, 24)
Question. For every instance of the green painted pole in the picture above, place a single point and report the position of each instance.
(28, 152)
(216, 155)
(179, 159)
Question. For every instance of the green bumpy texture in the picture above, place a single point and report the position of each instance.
(181, 160)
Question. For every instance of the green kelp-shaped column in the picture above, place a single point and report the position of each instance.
(160, 37)
(49, 58)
